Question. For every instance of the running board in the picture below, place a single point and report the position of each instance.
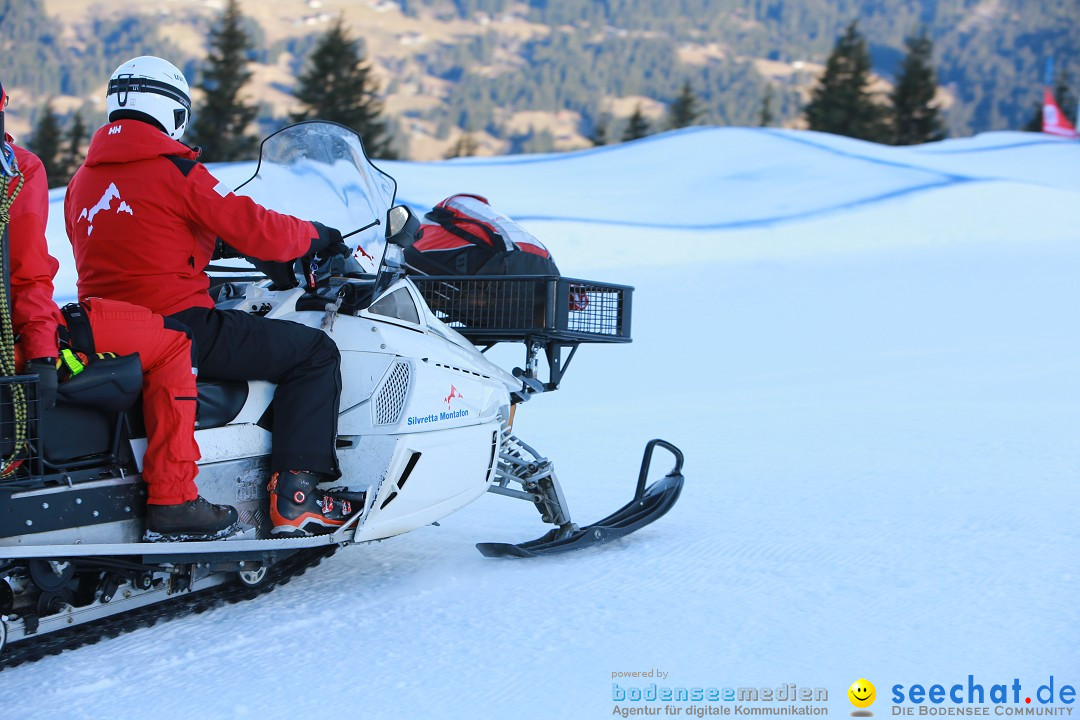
(244, 542)
(648, 505)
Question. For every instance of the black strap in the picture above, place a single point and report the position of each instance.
(127, 83)
(80, 336)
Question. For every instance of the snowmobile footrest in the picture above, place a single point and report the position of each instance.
(648, 504)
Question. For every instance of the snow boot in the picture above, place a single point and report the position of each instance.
(193, 520)
(299, 508)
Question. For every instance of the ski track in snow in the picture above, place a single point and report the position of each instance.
(878, 405)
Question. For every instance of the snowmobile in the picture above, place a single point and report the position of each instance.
(425, 427)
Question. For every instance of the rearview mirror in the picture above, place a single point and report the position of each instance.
(401, 226)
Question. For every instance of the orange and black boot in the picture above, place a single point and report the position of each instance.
(299, 508)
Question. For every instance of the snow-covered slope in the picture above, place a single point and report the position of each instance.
(870, 358)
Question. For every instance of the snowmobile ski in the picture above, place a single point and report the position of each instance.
(648, 504)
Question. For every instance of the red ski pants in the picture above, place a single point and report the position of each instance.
(169, 393)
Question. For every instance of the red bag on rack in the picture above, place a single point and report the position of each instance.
(464, 235)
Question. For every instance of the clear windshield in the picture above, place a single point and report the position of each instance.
(319, 171)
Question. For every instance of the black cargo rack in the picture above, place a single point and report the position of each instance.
(20, 428)
(542, 311)
(514, 308)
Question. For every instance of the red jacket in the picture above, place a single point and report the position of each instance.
(143, 218)
(34, 315)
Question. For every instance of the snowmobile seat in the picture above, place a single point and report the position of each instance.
(98, 409)
(86, 426)
(220, 401)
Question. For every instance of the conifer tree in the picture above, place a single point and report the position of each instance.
(339, 86)
(637, 127)
(600, 131)
(684, 111)
(1034, 124)
(842, 102)
(465, 146)
(73, 154)
(46, 142)
(766, 117)
(220, 124)
(916, 119)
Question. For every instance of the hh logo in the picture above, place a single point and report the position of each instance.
(453, 394)
(105, 203)
(115, 130)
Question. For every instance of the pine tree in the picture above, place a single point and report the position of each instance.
(1034, 124)
(46, 142)
(220, 124)
(600, 132)
(916, 119)
(73, 155)
(766, 117)
(466, 146)
(684, 111)
(338, 86)
(842, 102)
(637, 127)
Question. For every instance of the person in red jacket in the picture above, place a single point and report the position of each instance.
(144, 217)
(33, 312)
(175, 511)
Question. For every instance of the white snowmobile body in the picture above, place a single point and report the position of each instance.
(422, 411)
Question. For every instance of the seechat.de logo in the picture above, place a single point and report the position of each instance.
(862, 695)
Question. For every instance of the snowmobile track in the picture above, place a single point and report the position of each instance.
(191, 603)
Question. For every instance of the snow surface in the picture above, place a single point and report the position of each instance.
(869, 356)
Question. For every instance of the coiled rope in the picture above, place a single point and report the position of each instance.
(7, 332)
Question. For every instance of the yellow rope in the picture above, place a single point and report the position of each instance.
(7, 338)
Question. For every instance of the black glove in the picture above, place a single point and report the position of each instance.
(47, 380)
(282, 275)
(328, 242)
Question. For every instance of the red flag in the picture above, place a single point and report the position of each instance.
(1054, 121)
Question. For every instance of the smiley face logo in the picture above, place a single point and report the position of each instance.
(862, 693)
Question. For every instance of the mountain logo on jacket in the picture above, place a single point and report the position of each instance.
(105, 203)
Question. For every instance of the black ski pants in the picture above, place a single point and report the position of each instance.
(302, 361)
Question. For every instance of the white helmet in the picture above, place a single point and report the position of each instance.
(153, 87)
